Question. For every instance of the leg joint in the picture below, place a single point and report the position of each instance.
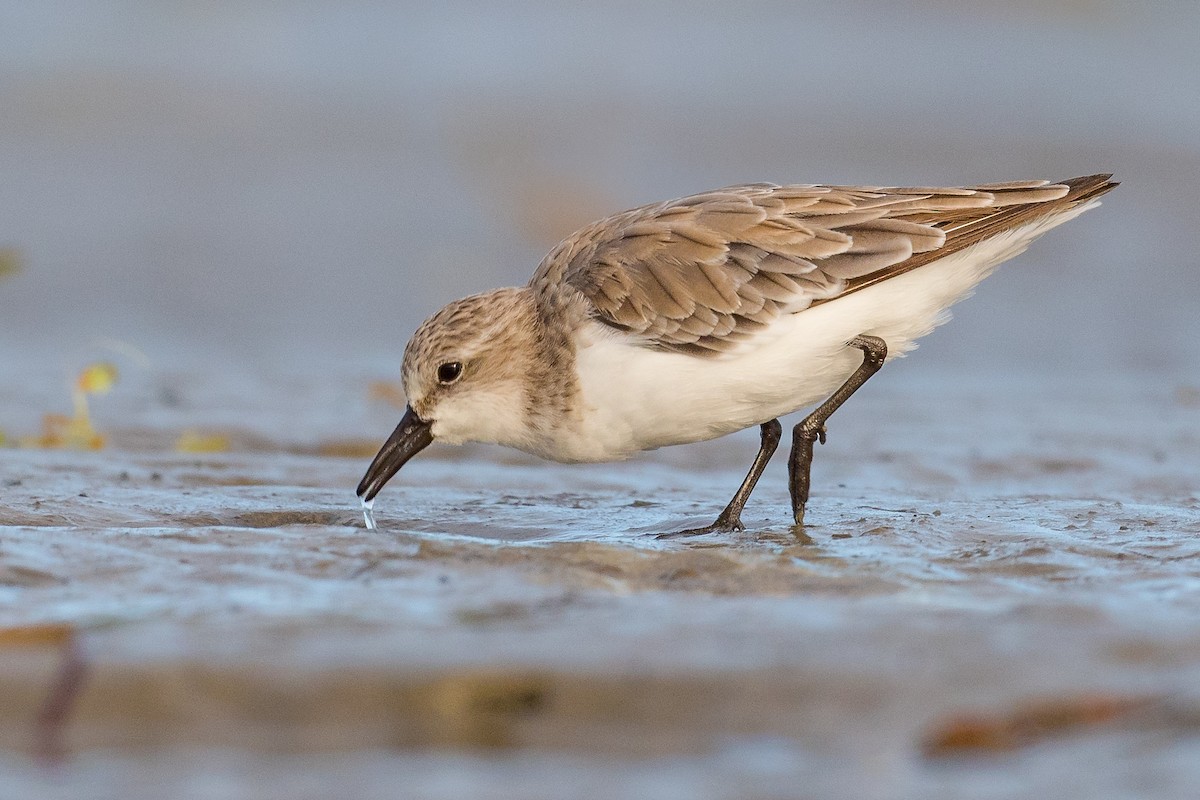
(772, 432)
(809, 428)
(874, 349)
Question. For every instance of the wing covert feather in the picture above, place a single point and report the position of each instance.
(702, 273)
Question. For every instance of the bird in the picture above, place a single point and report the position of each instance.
(690, 319)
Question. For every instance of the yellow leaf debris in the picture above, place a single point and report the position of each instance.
(98, 378)
(76, 431)
(191, 441)
(62, 432)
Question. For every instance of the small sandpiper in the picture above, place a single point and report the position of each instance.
(689, 319)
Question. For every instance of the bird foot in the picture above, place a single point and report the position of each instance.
(721, 525)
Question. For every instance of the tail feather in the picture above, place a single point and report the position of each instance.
(1088, 186)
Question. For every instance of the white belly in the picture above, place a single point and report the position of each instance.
(635, 398)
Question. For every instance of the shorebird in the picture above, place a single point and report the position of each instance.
(693, 318)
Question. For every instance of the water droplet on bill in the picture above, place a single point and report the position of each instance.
(369, 514)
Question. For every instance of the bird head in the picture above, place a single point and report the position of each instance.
(465, 376)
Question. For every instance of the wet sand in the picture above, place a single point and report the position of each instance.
(187, 622)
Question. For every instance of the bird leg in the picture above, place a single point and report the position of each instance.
(731, 518)
(812, 428)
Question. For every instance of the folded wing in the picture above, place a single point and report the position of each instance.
(703, 273)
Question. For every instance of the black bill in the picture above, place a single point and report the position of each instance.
(411, 436)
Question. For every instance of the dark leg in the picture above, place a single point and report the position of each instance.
(731, 518)
(812, 428)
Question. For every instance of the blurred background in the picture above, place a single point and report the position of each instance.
(284, 191)
(249, 206)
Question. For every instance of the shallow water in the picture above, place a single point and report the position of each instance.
(517, 624)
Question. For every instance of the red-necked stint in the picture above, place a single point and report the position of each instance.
(693, 318)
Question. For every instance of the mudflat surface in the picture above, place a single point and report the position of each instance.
(979, 601)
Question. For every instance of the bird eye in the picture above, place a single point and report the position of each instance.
(449, 372)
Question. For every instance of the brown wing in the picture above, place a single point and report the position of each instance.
(702, 273)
